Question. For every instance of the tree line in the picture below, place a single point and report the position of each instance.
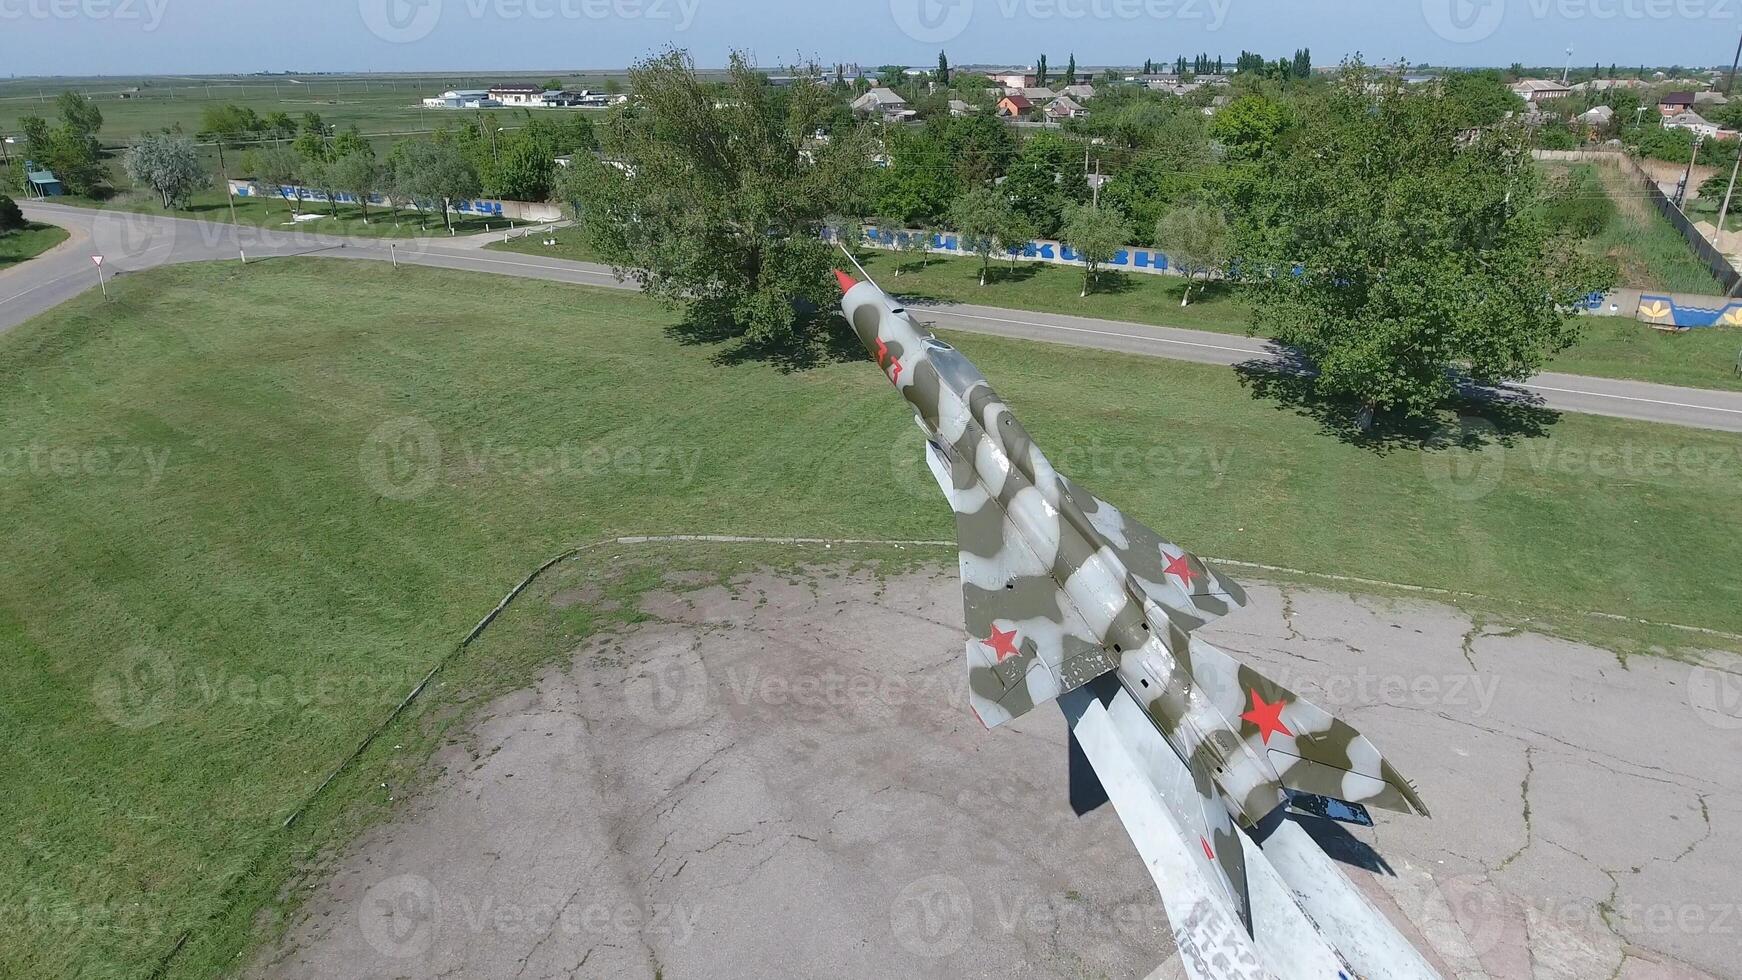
(725, 200)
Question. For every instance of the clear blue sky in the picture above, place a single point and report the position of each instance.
(80, 37)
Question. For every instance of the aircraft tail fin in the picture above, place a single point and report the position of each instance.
(1315, 753)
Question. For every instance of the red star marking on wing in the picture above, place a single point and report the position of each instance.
(882, 351)
(1181, 567)
(1268, 717)
(1002, 643)
(1207, 852)
(895, 376)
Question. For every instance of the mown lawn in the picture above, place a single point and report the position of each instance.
(243, 508)
(28, 242)
(279, 214)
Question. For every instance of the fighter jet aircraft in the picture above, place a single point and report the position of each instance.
(1068, 599)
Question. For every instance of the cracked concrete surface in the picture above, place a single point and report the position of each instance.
(782, 779)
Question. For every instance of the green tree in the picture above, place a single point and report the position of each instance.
(281, 166)
(169, 165)
(981, 218)
(350, 143)
(1482, 97)
(11, 218)
(943, 69)
(714, 198)
(525, 172)
(436, 174)
(311, 139)
(1040, 72)
(359, 175)
(1071, 70)
(229, 123)
(1252, 126)
(1390, 250)
(322, 177)
(1095, 234)
(1197, 241)
(553, 85)
(80, 113)
(1047, 176)
(278, 126)
(918, 184)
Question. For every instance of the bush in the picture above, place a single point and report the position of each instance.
(11, 219)
(1580, 204)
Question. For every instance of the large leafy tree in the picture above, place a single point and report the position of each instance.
(917, 185)
(714, 197)
(168, 164)
(1047, 176)
(1392, 247)
(981, 218)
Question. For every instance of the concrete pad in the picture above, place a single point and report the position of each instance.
(780, 777)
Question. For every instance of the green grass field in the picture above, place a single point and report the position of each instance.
(379, 105)
(245, 507)
(276, 212)
(28, 242)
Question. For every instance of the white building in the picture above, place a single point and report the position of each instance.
(518, 94)
(1693, 122)
(883, 102)
(1535, 90)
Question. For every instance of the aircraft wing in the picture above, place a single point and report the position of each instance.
(1188, 588)
(1027, 641)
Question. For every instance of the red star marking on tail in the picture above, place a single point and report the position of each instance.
(895, 376)
(1002, 643)
(882, 351)
(1182, 567)
(1268, 717)
(1207, 852)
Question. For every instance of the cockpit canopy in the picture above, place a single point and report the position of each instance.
(958, 373)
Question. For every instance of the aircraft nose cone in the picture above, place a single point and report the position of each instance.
(847, 282)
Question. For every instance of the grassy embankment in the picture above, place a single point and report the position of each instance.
(28, 242)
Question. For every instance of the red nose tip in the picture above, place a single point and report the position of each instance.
(847, 282)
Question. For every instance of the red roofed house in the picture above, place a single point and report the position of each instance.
(1014, 106)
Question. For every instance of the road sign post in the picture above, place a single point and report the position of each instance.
(98, 259)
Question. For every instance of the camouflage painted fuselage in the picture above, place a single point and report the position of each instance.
(1060, 588)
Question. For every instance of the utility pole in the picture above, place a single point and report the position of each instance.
(1724, 210)
(229, 195)
(1731, 81)
(1681, 191)
(1567, 72)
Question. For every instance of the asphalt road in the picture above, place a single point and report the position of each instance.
(134, 242)
(780, 778)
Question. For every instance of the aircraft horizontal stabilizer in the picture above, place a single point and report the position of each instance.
(1313, 751)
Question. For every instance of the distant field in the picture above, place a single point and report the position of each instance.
(377, 105)
(242, 509)
(28, 243)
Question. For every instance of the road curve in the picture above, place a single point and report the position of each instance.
(134, 242)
